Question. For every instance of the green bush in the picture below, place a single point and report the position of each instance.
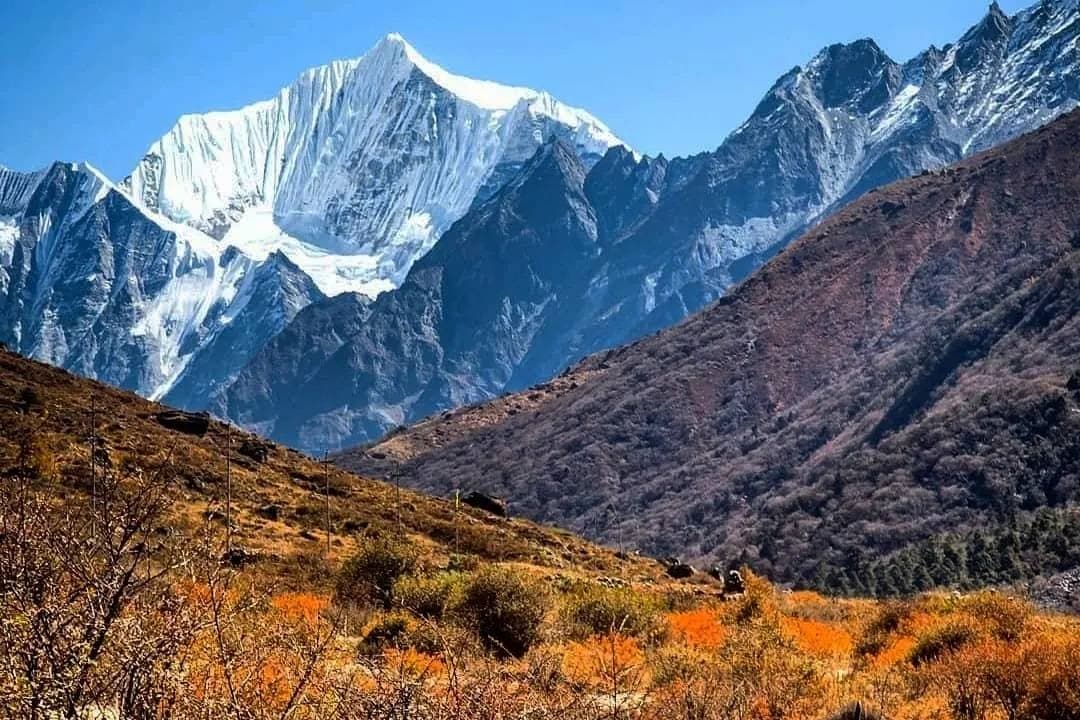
(599, 610)
(757, 601)
(941, 641)
(481, 540)
(875, 636)
(429, 597)
(462, 562)
(368, 576)
(387, 631)
(504, 609)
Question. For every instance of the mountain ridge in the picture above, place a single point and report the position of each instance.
(674, 234)
(899, 373)
(220, 285)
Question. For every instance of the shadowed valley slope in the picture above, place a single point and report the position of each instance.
(906, 370)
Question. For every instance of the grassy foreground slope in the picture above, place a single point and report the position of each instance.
(279, 497)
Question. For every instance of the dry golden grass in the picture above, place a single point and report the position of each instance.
(292, 547)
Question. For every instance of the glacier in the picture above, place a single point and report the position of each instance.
(356, 168)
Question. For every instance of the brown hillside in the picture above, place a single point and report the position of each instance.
(53, 408)
(909, 368)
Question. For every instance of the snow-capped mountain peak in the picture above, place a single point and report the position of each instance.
(369, 160)
(482, 93)
(496, 97)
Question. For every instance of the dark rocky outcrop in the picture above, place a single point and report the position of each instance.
(856, 711)
(487, 503)
(734, 583)
(678, 569)
(270, 511)
(255, 449)
(185, 422)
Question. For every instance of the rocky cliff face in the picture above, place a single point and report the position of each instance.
(455, 332)
(672, 236)
(90, 282)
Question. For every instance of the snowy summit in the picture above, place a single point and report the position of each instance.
(357, 167)
(169, 281)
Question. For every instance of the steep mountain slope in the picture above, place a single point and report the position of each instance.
(371, 158)
(671, 236)
(281, 372)
(440, 339)
(91, 283)
(906, 369)
(268, 296)
(278, 499)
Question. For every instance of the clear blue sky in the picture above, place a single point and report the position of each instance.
(99, 81)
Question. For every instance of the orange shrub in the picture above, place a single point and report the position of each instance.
(898, 651)
(275, 683)
(1002, 616)
(699, 628)
(192, 593)
(413, 664)
(818, 637)
(806, 597)
(918, 622)
(300, 606)
(605, 660)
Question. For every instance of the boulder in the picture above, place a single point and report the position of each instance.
(185, 422)
(239, 556)
(30, 401)
(1074, 383)
(490, 504)
(269, 512)
(856, 711)
(677, 569)
(733, 583)
(255, 449)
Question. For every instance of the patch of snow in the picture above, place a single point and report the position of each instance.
(257, 236)
(9, 233)
(649, 289)
(177, 319)
(896, 110)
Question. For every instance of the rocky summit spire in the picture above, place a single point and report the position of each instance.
(995, 26)
(985, 40)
